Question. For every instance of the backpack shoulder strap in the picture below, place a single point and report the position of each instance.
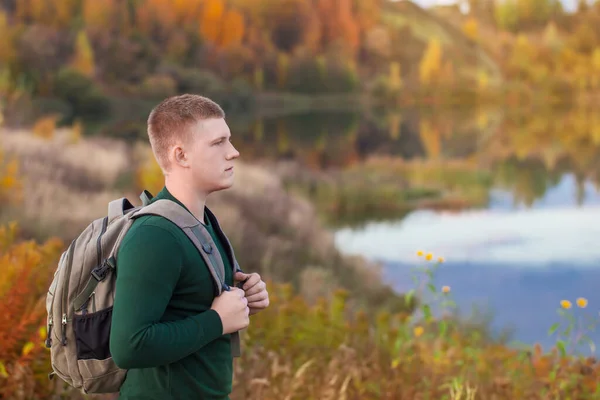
(194, 230)
(203, 242)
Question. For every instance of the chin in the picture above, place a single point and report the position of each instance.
(223, 186)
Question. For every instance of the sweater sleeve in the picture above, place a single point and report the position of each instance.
(148, 268)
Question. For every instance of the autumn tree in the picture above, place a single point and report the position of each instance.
(211, 20)
(83, 61)
(7, 50)
(595, 69)
(470, 28)
(232, 35)
(431, 63)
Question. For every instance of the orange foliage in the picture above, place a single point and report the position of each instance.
(97, 15)
(7, 50)
(187, 11)
(339, 22)
(65, 11)
(233, 35)
(211, 20)
(45, 127)
(10, 185)
(25, 272)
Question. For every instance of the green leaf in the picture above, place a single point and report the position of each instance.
(553, 328)
(427, 311)
(443, 328)
(431, 287)
(409, 296)
(561, 347)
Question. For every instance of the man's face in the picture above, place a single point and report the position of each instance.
(211, 155)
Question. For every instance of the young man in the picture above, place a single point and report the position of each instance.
(168, 328)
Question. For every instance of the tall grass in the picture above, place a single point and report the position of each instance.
(301, 350)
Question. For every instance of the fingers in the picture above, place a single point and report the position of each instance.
(259, 305)
(260, 286)
(260, 296)
(253, 280)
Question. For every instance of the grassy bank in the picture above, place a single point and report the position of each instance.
(385, 189)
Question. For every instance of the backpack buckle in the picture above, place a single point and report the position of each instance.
(100, 272)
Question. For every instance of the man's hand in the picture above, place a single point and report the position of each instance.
(256, 291)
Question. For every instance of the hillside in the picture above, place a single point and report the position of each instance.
(66, 182)
(75, 57)
(467, 58)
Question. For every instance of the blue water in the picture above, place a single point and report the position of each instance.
(514, 261)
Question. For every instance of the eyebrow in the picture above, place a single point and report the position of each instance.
(220, 138)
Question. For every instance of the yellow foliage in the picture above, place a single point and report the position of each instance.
(83, 60)
(431, 139)
(470, 28)
(45, 127)
(149, 175)
(283, 63)
(10, 184)
(7, 50)
(431, 63)
(76, 132)
(395, 76)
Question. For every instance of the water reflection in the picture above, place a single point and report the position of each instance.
(515, 260)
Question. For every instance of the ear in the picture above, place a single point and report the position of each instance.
(180, 156)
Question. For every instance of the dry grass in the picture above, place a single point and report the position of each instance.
(65, 184)
(92, 163)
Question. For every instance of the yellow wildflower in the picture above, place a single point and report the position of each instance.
(445, 289)
(420, 253)
(565, 304)
(27, 348)
(418, 331)
(581, 302)
(429, 256)
(441, 259)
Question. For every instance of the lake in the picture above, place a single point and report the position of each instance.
(527, 244)
(533, 244)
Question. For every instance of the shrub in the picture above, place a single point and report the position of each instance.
(25, 271)
(80, 92)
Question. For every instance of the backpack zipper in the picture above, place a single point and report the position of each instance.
(99, 257)
(99, 241)
(65, 293)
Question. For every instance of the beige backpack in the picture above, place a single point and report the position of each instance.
(81, 296)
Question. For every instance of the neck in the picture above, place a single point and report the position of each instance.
(193, 199)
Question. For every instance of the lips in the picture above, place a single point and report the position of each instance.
(229, 169)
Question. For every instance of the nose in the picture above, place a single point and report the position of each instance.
(233, 153)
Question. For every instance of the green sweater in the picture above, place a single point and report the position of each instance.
(163, 330)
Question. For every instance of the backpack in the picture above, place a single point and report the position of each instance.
(80, 298)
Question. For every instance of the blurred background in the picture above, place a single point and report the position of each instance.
(368, 130)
